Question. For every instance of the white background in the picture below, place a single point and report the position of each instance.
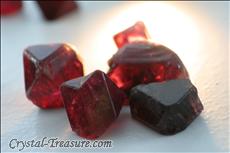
(91, 30)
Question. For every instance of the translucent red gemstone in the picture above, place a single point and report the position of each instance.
(9, 7)
(137, 32)
(92, 103)
(46, 67)
(55, 9)
(144, 62)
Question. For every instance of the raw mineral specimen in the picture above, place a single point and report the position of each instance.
(46, 67)
(55, 9)
(10, 7)
(144, 62)
(167, 107)
(137, 32)
(92, 103)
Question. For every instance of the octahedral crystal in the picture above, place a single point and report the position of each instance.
(144, 62)
(137, 32)
(46, 67)
(167, 107)
(92, 103)
(52, 10)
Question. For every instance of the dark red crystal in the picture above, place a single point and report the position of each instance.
(92, 103)
(137, 32)
(55, 9)
(10, 7)
(46, 67)
(144, 62)
(166, 107)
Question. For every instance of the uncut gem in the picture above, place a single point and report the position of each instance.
(137, 32)
(46, 67)
(166, 107)
(10, 7)
(52, 10)
(92, 103)
(144, 62)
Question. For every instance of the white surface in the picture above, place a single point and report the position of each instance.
(91, 30)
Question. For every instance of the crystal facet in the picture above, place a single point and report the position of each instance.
(92, 103)
(167, 107)
(144, 62)
(46, 67)
(137, 32)
(10, 7)
(55, 9)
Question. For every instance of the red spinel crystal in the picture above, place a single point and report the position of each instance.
(144, 62)
(55, 9)
(137, 32)
(92, 103)
(167, 107)
(46, 67)
(10, 7)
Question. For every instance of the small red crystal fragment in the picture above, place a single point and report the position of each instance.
(137, 32)
(144, 62)
(46, 67)
(92, 103)
(55, 9)
(10, 7)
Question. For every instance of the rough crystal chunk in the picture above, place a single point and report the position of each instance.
(137, 32)
(144, 62)
(46, 67)
(92, 103)
(10, 7)
(55, 9)
(167, 107)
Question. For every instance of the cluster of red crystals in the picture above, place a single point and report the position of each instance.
(144, 62)
(55, 9)
(92, 103)
(46, 67)
(167, 107)
(137, 32)
(10, 7)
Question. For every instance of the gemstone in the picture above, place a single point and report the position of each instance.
(166, 107)
(10, 7)
(144, 62)
(92, 103)
(54, 9)
(137, 32)
(46, 67)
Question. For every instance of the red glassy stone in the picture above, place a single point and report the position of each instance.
(144, 62)
(137, 32)
(46, 67)
(54, 9)
(10, 7)
(92, 103)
